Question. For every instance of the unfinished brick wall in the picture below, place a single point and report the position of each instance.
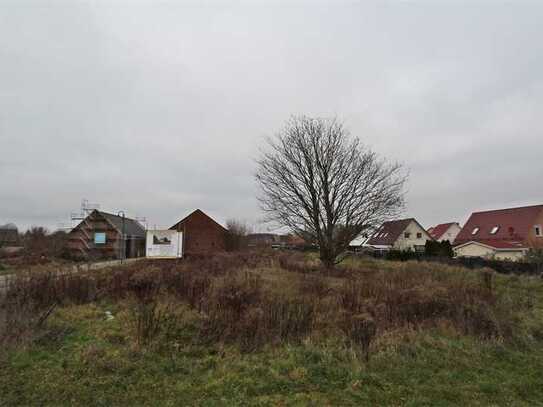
(201, 234)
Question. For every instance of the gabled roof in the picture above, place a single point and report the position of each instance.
(131, 227)
(437, 231)
(200, 213)
(513, 224)
(389, 232)
(496, 244)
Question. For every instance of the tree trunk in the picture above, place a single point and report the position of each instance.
(327, 257)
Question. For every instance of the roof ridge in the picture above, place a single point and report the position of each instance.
(399, 220)
(117, 216)
(508, 209)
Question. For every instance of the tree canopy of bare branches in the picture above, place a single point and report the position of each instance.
(322, 183)
(236, 238)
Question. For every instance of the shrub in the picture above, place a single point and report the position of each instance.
(148, 318)
(361, 329)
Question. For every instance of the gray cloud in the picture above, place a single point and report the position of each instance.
(159, 108)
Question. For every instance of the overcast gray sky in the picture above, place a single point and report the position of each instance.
(159, 108)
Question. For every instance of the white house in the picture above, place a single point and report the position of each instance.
(404, 234)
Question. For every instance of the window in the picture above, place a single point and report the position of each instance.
(538, 232)
(494, 230)
(475, 230)
(99, 238)
(407, 235)
(419, 235)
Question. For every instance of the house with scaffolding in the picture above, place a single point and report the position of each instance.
(102, 235)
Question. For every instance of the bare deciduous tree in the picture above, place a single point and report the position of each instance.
(237, 234)
(323, 184)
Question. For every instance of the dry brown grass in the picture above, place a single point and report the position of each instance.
(258, 299)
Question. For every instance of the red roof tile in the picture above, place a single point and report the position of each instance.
(514, 224)
(437, 231)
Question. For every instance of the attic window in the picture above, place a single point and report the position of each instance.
(419, 235)
(474, 231)
(538, 232)
(407, 235)
(494, 230)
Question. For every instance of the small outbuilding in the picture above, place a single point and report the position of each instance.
(201, 234)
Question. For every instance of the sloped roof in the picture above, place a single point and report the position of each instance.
(514, 224)
(131, 227)
(389, 232)
(437, 231)
(197, 212)
(498, 244)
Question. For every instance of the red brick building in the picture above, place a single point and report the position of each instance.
(201, 234)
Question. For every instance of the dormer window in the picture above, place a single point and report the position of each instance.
(475, 230)
(538, 231)
(494, 230)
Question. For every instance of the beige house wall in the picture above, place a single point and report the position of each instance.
(477, 250)
(403, 243)
(473, 250)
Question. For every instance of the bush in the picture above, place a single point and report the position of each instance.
(439, 249)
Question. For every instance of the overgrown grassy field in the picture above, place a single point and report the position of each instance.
(273, 330)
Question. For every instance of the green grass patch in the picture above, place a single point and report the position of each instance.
(266, 335)
(89, 360)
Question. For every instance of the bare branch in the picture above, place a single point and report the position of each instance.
(320, 182)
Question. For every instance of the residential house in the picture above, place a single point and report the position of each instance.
(501, 234)
(359, 242)
(103, 235)
(404, 234)
(445, 231)
(201, 234)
